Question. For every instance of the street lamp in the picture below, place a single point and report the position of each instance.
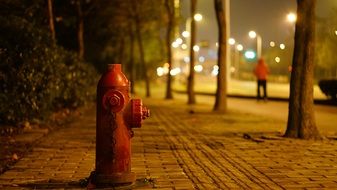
(197, 17)
(282, 46)
(252, 34)
(291, 17)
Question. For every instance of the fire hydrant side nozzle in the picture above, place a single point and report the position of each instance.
(116, 115)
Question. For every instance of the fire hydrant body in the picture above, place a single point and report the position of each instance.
(116, 115)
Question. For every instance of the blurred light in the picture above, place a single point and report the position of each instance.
(198, 68)
(176, 3)
(160, 71)
(272, 44)
(215, 70)
(252, 34)
(196, 48)
(239, 47)
(166, 68)
(232, 69)
(179, 41)
(250, 54)
(175, 44)
(186, 59)
(201, 59)
(217, 44)
(183, 46)
(197, 17)
(282, 46)
(336, 32)
(185, 34)
(231, 41)
(277, 59)
(291, 17)
(175, 71)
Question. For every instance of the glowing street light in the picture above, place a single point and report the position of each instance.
(239, 47)
(231, 41)
(336, 32)
(277, 59)
(196, 48)
(291, 17)
(272, 44)
(185, 34)
(179, 41)
(252, 34)
(282, 46)
(250, 54)
(197, 17)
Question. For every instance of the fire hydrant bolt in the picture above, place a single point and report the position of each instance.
(114, 101)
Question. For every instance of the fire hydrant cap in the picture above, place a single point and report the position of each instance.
(114, 77)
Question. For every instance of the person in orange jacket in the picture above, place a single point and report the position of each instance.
(261, 72)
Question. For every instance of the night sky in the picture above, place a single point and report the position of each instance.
(266, 17)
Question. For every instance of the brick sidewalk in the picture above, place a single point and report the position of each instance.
(182, 149)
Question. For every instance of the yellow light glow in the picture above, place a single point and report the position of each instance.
(277, 59)
(252, 34)
(198, 68)
(186, 34)
(197, 17)
(282, 46)
(291, 17)
(231, 41)
(196, 48)
(239, 47)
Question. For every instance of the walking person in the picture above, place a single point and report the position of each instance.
(261, 72)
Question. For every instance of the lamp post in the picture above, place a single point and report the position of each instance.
(252, 34)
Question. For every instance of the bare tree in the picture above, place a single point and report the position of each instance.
(221, 91)
(191, 77)
(170, 16)
(51, 20)
(301, 120)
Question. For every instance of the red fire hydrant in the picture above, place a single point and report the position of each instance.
(116, 116)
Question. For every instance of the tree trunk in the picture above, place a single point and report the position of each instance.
(301, 120)
(191, 77)
(80, 30)
(170, 12)
(51, 21)
(221, 91)
(121, 56)
(131, 60)
(141, 52)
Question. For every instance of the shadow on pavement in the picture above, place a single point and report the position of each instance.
(62, 184)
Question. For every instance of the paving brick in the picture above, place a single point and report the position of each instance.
(179, 150)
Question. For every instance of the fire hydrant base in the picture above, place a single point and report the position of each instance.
(113, 180)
